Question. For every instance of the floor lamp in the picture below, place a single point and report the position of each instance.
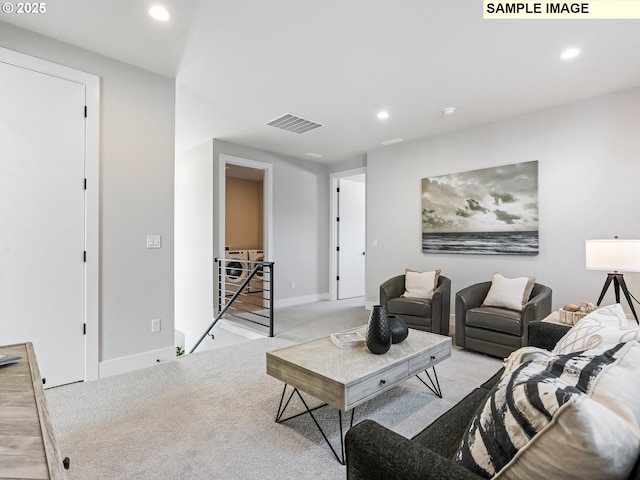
(614, 256)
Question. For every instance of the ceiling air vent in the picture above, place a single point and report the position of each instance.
(293, 123)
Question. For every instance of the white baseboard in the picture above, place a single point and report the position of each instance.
(291, 302)
(131, 363)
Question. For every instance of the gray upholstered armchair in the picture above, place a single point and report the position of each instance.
(431, 315)
(493, 330)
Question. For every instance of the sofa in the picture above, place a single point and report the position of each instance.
(375, 452)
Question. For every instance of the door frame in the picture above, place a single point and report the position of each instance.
(91, 197)
(334, 180)
(267, 193)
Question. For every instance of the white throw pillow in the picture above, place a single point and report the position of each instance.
(605, 326)
(610, 315)
(511, 293)
(572, 447)
(420, 284)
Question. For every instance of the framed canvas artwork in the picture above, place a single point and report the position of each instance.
(487, 211)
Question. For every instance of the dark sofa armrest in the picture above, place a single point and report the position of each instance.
(441, 306)
(392, 288)
(377, 453)
(546, 334)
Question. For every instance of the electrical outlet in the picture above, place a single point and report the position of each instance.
(155, 325)
(292, 285)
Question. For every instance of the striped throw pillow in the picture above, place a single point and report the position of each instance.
(572, 416)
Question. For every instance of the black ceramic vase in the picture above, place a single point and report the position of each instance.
(378, 331)
(399, 330)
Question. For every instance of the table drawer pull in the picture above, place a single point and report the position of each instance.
(426, 360)
(376, 383)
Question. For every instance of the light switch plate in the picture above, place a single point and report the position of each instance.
(154, 241)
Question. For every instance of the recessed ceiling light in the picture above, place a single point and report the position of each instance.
(314, 155)
(570, 53)
(382, 115)
(448, 111)
(159, 13)
(392, 141)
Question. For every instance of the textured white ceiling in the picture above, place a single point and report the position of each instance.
(241, 63)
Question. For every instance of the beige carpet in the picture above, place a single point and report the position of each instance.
(210, 415)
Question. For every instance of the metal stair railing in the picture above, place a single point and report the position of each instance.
(238, 299)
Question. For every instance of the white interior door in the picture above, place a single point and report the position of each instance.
(42, 232)
(351, 237)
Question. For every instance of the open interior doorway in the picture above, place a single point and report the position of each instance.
(348, 207)
(243, 241)
(245, 206)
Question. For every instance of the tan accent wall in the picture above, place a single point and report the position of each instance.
(244, 222)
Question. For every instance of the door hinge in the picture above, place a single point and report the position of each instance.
(337, 219)
(84, 256)
(338, 278)
(85, 111)
(84, 328)
(338, 190)
(337, 249)
(85, 183)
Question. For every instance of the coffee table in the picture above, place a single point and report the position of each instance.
(344, 378)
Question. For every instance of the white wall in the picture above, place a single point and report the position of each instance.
(588, 188)
(136, 199)
(194, 242)
(350, 164)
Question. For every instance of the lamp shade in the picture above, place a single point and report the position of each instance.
(613, 255)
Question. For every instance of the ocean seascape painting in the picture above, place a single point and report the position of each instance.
(488, 211)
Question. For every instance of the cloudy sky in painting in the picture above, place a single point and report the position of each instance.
(499, 199)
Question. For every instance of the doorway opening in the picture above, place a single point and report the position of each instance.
(244, 208)
(236, 170)
(244, 231)
(348, 214)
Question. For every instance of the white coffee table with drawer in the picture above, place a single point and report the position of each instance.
(347, 377)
